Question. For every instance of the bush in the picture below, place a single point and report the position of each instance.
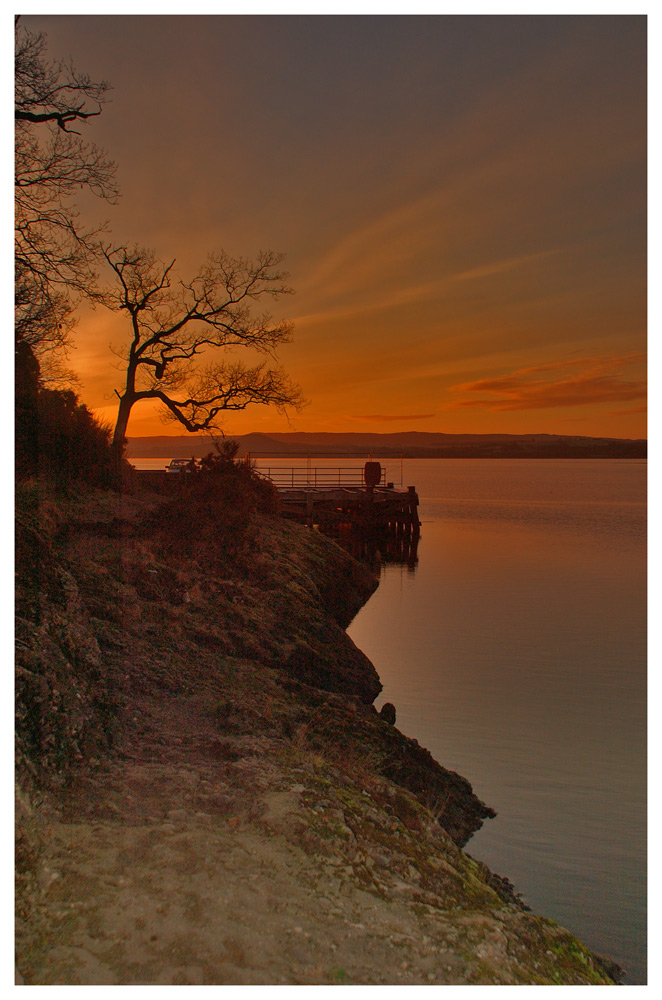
(209, 521)
(66, 443)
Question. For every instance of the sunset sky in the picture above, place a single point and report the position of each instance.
(461, 201)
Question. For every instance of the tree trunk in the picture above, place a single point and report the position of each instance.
(119, 434)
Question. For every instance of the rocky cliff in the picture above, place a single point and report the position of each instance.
(206, 792)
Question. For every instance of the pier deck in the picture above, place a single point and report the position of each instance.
(362, 507)
(331, 498)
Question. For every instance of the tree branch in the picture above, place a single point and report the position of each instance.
(62, 118)
(176, 323)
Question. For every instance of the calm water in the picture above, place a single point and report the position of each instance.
(516, 653)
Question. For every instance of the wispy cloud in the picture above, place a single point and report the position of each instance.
(397, 417)
(378, 299)
(579, 382)
(390, 300)
(501, 266)
(628, 411)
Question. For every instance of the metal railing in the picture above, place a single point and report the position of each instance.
(302, 476)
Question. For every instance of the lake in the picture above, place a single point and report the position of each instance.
(515, 651)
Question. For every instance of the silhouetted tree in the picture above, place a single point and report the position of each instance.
(173, 323)
(55, 256)
(43, 324)
(26, 372)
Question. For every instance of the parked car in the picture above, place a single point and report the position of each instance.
(181, 465)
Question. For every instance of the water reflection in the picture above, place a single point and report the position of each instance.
(378, 548)
(516, 654)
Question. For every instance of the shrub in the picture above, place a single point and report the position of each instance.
(211, 517)
(66, 442)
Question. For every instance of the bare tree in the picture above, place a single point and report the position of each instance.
(55, 256)
(43, 324)
(175, 323)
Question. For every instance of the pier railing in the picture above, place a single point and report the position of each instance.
(302, 476)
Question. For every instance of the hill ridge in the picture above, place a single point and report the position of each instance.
(409, 444)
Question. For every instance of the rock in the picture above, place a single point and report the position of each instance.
(335, 665)
(388, 713)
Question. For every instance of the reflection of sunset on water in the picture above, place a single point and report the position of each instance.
(516, 652)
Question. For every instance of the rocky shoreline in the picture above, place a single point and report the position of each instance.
(206, 793)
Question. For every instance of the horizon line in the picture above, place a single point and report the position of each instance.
(206, 434)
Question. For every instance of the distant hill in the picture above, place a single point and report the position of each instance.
(409, 444)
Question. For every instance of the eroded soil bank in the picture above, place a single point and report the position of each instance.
(206, 794)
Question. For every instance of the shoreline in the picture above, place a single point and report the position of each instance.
(242, 748)
(417, 444)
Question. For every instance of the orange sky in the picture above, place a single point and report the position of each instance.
(462, 203)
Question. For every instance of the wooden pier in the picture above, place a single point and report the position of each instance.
(365, 508)
(375, 524)
(349, 497)
(355, 505)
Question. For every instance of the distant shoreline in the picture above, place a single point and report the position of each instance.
(416, 444)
